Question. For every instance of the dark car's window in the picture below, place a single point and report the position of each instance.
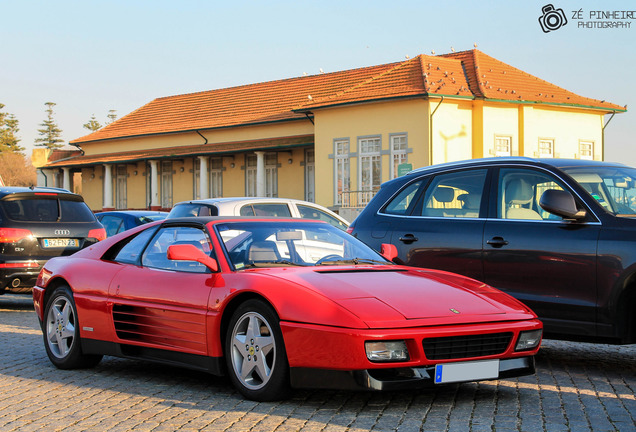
(112, 224)
(193, 209)
(455, 195)
(614, 188)
(156, 256)
(520, 191)
(403, 201)
(47, 210)
(276, 210)
(308, 212)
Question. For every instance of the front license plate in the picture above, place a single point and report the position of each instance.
(466, 371)
(61, 242)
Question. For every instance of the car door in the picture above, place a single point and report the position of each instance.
(444, 229)
(159, 302)
(544, 261)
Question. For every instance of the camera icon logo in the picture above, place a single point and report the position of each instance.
(552, 19)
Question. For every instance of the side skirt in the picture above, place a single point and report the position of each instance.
(212, 365)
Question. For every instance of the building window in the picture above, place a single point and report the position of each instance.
(271, 174)
(343, 181)
(196, 178)
(166, 184)
(586, 150)
(310, 176)
(399, 155)
(216, 178)
(121, 178)
(250, 175)
(503, 145)
(370, 163)
(546, 147)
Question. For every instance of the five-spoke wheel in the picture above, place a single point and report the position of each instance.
(255, 352)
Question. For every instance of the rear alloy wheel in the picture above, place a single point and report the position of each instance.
(255, 352)
(61, 332)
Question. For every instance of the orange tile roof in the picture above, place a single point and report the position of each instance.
(469, 74)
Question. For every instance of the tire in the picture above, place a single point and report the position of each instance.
(61, 332)
(254, 329)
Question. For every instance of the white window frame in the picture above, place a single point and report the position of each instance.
(342, 169)
(166, 184)
(501, 143)
(250, 175)
(546, 148)
(196, 178)
(271, 175)
(370, 159)
(121, 189)
(583, 150)
(310, 175)
(399, 152)
(216, 177)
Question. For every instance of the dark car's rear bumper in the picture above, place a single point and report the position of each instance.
(392, 379)
(19, 276)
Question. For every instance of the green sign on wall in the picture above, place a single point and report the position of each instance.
(403, 168)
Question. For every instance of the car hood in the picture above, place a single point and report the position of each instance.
(382, 294)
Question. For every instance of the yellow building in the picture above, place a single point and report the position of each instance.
(330, 138)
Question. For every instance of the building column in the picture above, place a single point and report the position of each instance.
(260, 174)
(108, 188)
(204, 180)
(67, 178)
(155, 203)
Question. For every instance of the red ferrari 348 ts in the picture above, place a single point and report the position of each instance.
(278, 304)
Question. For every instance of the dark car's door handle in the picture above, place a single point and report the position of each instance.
(408, 238)
(497, 242)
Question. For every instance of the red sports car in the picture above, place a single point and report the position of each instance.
(278, 304)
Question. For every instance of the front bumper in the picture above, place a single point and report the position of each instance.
(392, 379)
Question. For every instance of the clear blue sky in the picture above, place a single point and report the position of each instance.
(92, 56)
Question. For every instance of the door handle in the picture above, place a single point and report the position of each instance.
(497, 242)
(408, 238)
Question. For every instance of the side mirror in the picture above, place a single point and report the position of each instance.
(188, 252)
(388, 251)
(560, 203)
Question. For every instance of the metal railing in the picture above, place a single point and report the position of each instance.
(356, 199)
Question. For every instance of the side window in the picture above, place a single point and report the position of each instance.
(520, 191)
(308, 212)
(403, 201)
(155, 255)
(277, 210)
(455, 195)
(112, 224)
(129, 254)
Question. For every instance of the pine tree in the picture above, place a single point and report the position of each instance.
(50, 132)
(112, 116)
(93, 124)
(9, 133)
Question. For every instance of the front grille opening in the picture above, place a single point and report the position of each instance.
(466, 346)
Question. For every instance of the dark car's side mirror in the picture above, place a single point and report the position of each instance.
(188, 252)
(560, 203)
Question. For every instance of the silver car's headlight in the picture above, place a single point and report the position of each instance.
(529, 340)
(387, 351)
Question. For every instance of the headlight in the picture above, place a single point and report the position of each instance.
(529, 340)
(387, 351)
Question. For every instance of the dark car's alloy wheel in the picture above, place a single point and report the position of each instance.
(255, 352)
(61, 332)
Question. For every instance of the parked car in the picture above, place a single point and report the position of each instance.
(37, 224)
(280, 207)
(559, 235)
(121, 220)
(221, 294)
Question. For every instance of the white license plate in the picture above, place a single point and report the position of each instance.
(466, 371)
(61, 242)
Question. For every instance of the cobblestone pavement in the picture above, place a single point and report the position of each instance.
(578, 387)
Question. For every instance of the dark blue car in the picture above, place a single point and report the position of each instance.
(117, 221)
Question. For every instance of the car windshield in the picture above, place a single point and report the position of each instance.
(271, 244)
(614, 188)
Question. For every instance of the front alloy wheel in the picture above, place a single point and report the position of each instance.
(61, 332)
(256, 355)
